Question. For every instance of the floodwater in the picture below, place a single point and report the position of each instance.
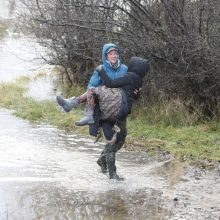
(49, 174)
(18, 57)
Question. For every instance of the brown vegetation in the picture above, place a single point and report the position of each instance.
(180, 37)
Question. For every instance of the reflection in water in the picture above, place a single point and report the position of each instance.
(54, 175)
(114, 204)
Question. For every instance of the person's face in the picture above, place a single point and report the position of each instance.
(112, 56)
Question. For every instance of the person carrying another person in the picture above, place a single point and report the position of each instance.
(111, 58)
(115, 102)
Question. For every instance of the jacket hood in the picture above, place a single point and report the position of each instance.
(105, 48)
(138, 66)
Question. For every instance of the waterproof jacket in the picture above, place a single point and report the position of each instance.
(137, 69)
(111, 72)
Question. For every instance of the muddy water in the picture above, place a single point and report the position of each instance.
(48, 174)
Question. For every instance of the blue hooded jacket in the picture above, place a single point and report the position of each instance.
(112, 73)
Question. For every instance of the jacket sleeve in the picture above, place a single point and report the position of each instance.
(95, 80)
(116, 83)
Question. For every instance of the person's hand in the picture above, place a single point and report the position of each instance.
(137, 93)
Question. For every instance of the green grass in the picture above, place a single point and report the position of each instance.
(3, 28)
(12, 96)
(199, 142)
(196, 142)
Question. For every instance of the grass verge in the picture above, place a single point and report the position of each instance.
(199, 143)
(3, 28)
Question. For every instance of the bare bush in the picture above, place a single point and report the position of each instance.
(72, 31)
(181, 37)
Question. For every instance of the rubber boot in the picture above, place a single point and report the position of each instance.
(87, 119)
(67, 104)
(102, 163)
(110, 160)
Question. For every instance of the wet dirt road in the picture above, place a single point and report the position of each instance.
(49, 174)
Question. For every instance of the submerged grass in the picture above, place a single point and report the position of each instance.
(152, 129)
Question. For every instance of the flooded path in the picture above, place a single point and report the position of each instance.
(18, 57)
(48, 174)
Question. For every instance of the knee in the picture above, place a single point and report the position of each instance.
(121, 136)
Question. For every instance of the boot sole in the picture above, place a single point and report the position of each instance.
(83, 124)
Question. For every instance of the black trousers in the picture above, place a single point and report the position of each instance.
(108, 132)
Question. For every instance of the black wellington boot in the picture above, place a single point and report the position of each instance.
(110, 160)
(102, 163)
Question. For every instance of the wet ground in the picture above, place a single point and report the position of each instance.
(46, 173)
